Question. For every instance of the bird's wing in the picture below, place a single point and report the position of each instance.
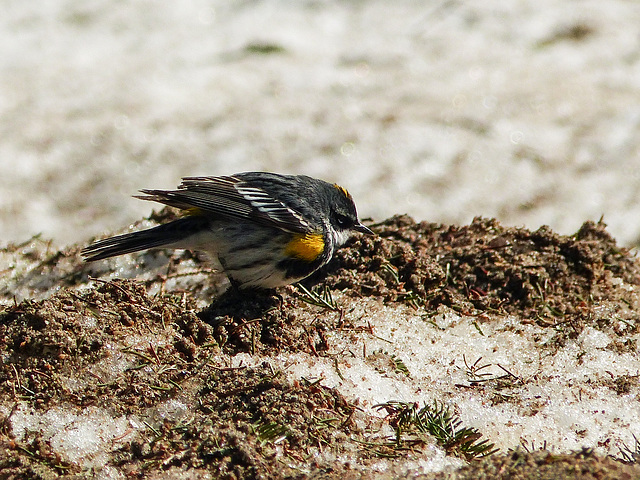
(230, 197)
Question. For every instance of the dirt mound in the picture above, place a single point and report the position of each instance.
(114, 346)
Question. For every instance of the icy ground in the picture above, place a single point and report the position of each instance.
(524, 111)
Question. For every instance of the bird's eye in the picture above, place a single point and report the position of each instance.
(343, 221)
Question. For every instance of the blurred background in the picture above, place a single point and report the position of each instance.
(445, 110)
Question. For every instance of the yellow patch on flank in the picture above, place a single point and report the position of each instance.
(342, 190)
(305, 246)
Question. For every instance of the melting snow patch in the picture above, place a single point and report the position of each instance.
(555, 396)
(84, 437)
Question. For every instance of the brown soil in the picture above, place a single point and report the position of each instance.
(250, 422)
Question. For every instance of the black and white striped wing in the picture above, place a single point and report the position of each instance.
(230, 197)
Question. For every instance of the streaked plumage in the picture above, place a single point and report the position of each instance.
(266, 229)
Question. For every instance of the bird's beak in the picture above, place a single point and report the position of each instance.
(363, 229)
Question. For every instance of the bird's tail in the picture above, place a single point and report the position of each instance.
(165, 235)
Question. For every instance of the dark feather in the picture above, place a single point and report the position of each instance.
(156, 237)
(230, 197)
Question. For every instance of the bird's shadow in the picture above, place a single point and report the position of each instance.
(242, 304)
(242, 317)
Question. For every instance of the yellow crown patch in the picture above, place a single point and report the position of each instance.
(342, 190)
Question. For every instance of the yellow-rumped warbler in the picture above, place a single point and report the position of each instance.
(266, 229)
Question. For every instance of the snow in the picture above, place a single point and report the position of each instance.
(445, 111)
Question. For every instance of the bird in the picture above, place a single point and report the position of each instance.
(266, 229)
